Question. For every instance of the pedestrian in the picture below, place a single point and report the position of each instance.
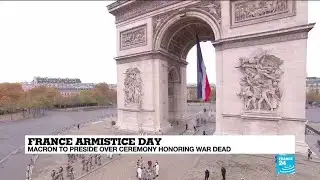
(68, 169)
(186, 126)
(53, 175)
(223, 173)
(71, 173)
(157, 168)
(149, 164)
(138, 165)
(309, 154)
(69, 157)
(87, 165)
(78, 126)
(194, 128)
(90, 161)
(61, 173)
(99, 159)
(206, 174)
(204, 132)
(83, 162)
(95, 159)
(149, 174)
(144, 174)
(139, 173)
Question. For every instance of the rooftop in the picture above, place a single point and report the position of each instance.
(57, 80)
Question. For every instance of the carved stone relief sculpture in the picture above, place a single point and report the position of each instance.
(260, 84)
(133, 87)
(212, 7)
(250, 12)
(160, 19)
(134, 37)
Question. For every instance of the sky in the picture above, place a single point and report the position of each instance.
(76, 39)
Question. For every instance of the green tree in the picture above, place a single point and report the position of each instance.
(87, 98)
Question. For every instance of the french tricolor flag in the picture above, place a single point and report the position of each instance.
(203, 86)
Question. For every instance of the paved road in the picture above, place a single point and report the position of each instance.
(313, 115)
(12, 136)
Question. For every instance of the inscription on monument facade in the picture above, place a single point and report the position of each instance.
(250, 12)
(133, 87)
(260, 84)
(134, 37)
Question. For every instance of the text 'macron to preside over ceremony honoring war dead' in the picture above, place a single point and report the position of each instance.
(45, 144)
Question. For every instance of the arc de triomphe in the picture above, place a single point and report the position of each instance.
(261, 50)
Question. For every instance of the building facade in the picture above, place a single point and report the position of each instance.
(313, 84)
(66, 86)
(113, 86)
(192, 91)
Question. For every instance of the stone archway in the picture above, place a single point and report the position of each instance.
(175, 38)
(254, 58)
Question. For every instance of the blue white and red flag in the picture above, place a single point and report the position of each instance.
(203, 85)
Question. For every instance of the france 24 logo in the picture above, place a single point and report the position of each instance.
(285, 164)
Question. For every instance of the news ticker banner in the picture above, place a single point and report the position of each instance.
(226, 144)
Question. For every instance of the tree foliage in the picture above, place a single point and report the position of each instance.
(193, 95)
(35, 100)
(213, 94)
(312, 96)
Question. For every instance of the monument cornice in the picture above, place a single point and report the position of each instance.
(136, 110)
(148, 55)
(118, 4)
(268, 37)
(264, 118)
(130, 9)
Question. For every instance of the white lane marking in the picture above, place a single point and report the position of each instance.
(7, 156)
(97, 122)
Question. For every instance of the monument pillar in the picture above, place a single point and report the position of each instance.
(261, 69)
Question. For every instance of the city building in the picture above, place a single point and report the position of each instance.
(113, 86)
(66, 86)
(192, 91)
(313, 84)
(26, 86)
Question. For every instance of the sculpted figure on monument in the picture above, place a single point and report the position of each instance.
(253, 9)
(133, 37)
(133, 87)
(260, 84)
